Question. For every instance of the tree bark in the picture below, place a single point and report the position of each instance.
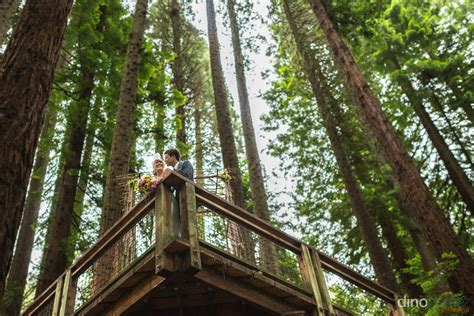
(198, 151)
(122, 139)
(17, 276)
(399, 256)
(257, 185)
(26, 75)
(8, 9)
(178, 76)
(328, 108)
(84, 177)
(224, 123)
(224, 126)
(456, 173)
(59, 252)
(429, 216)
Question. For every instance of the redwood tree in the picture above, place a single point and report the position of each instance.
(122, 138)
(26, 75)
(7, 11)
(430, 217)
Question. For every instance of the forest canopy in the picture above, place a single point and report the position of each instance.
(348, 124)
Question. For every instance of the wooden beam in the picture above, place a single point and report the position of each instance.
(313, 281)
(67, 296)
(244, 291)
(163, 233)
(194, 251)
(57, 296)
(321, 281)
(134, 295)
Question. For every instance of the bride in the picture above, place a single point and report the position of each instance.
(160, 170)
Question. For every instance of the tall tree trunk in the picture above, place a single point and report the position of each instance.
(224, 122)
(456, 173)
(16, 281)
(198, 151)
(178, 75)
(122, 139)
(428, 214)
(7, 12)
(257, 185)
(26, 75)
(160, 136)
(328, 108)
(224, 126)
(436, 104)
(399, 256)
(84, 176)
(59, 251)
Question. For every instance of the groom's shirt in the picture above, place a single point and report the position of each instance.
(185, 168)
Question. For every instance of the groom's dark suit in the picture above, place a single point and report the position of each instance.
(185, 168)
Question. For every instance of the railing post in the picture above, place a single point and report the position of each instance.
(68, 296)
(322, 281)
(309, 277)
(163, 231)
(188, 204)
(57, 297)
(396, 310)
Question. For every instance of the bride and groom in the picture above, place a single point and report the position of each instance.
(172, 160)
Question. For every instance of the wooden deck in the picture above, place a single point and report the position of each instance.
(181, 265)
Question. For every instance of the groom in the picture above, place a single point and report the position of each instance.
(184, 167)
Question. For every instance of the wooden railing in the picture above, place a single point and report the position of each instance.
(184, 227)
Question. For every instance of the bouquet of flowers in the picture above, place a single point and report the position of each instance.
(148, 184)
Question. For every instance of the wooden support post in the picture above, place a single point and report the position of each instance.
(323, 288)
(396, 310)
(192, 228)
(309, 273)
(68, 296)
(57, 297)
(163, 261)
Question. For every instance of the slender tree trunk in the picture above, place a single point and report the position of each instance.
(122, 139)
(328, 107)
(26, 75)
(59, 251)
(224, 123)
(198, 154)
(224, 126)
(399, 255)
(16, 281)
(178, 75)
(7, 12)
(160, 136)
(257, 185)
(436, 104)
(84, 176)
(456, 173)
(429, 216)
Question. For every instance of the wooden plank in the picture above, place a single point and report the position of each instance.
(127, 221)
(135, 295)
(194, 251)
(251, 222)
(322, 282)
(141, 265)
(67, 296)
(229, 259)
(57, 296)
(243, 291)
(42, 298)
(257, 278)
(163, 260)
(312, 279)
